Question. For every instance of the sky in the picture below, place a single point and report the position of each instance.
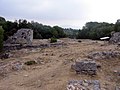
(64, 13)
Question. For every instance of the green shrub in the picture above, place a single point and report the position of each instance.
(52, 40)
(79, 41)
(30, 63)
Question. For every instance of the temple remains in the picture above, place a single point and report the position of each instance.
(23, 36)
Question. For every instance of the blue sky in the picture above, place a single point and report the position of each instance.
(65, 13)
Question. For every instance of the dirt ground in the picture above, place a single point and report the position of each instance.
(54, 70)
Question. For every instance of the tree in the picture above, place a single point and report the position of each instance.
(117, 26)
(2, 19)
(1, 38)
(60, 32)
(95, 30)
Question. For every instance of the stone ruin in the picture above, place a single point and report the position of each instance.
(85, 67)
(83, 85)
(117, 88)
(100, 55)
(115, 39)
(7, 67)
(23, 36)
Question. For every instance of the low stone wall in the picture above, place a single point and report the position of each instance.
(8, 47)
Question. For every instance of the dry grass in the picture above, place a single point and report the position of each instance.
(54, 72)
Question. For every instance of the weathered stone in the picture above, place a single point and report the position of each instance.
(117, 72)
(16, 66)
(4, 56)
(6, 68)
(104, 55)
(115, 39)
(83, 85)
(117, 88)
(85, 67)
(23, 36)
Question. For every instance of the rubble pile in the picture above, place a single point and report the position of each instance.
(83, 85)
(104, 55)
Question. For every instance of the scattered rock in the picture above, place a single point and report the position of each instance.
(5, 56)
(83, 85)
(53, 75)
(117, 88)
(39, 61)
(25, 75)
(117, 72)
(17, 65)
(104, 55)
(98, 65)
(6, 68)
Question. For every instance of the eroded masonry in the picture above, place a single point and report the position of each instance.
(23, 36)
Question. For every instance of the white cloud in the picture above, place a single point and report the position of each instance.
(73, 13)
(103, 10)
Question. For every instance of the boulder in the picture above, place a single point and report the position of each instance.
(85, 67)
(83, 85)
(4, 56)
(115, 39)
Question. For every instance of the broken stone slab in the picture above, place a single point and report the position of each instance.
(83, 85)
(85, 67)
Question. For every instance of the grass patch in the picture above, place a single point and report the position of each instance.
(30, 63)
(52, 40)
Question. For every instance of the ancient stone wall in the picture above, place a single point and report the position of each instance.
(23, 36)
(115, 39)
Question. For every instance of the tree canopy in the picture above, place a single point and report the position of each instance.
(95, 30)
(40, 31)
(91, 30)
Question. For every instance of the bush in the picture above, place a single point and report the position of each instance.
(79, 41)
(52, 40)
(1, 38)
(30, 63)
